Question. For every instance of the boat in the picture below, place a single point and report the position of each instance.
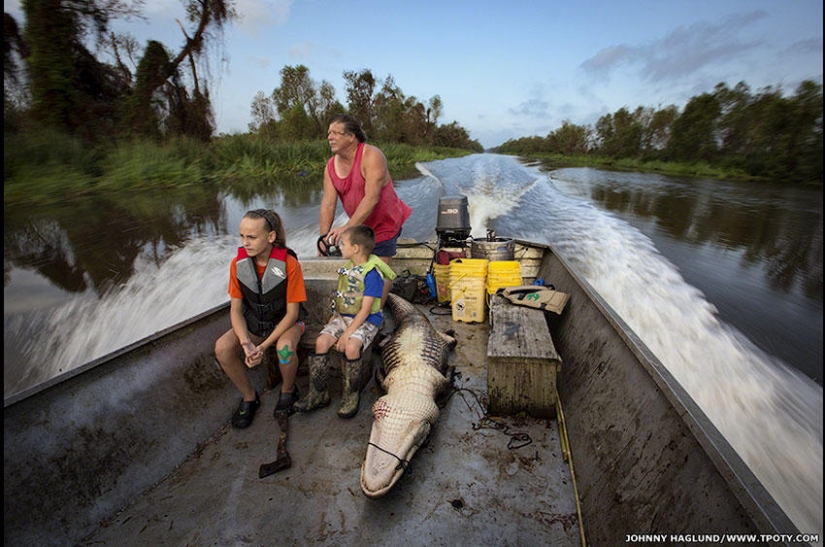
(135, 448)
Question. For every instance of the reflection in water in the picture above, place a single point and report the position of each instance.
(94, 244)
(171, 258)
(771, 414)
(754, 250)
(772, 224)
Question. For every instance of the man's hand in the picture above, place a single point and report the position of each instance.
(334, 235)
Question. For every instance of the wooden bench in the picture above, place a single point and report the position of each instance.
(522, 361)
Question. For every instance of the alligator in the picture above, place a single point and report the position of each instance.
(413, 374)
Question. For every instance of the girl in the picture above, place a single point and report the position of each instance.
(266, 288)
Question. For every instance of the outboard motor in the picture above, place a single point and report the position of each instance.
(453, 224)
(453, 230)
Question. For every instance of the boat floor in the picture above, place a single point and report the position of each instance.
(478, 480)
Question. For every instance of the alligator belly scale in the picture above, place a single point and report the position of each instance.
(415, 364)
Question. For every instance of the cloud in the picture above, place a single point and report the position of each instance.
(812, 45)
(304, 50)
(605, 60)
(682, 52)
(257, 15)
(261, 62)
(536, 106)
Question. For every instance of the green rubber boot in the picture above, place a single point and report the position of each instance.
(356, 376)
(318, 395)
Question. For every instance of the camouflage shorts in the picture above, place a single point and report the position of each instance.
(338, 324)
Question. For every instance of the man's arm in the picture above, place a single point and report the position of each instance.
(328, 204)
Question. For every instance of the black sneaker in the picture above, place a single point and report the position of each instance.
(286, 402)
(243, 415)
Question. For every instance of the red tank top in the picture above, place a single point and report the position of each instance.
(390, 212)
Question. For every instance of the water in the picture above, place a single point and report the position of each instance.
(770, 412)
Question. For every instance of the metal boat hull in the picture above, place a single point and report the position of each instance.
(91, 443)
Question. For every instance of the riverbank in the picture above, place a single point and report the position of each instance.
(677, 169)
(698, 169)
(48, 167)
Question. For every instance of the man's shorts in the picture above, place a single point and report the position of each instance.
(388, 247)
(338, 324)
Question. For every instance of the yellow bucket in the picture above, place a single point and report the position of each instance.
(442, 282)
(467, 281)
(503, 273)
(468, 267)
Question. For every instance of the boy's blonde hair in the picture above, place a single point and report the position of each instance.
(363, 236)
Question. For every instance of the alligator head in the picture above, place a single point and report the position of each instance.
(415, 362)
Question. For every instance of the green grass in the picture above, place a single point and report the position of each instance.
(695, 169)
(49, 167)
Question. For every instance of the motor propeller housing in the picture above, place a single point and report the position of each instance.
(453, 223)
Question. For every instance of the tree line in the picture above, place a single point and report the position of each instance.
(300, 109)
(53, 80)
(763, 134)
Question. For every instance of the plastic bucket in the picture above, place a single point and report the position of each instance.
(468, 277)
(442, 282)
(468, 267)
(467, 300)
(503, 273)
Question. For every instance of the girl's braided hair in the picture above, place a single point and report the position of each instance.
(273, 221)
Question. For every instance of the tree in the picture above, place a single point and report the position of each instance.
(328, 105)
(620, 134)
(360, 87)
(262, 112)
(434, 108)
(694, 131)
(734, 124)
(303, 110)
(454, 136)
(806, 125)
(568, 139)
(659, 130)
(299, 92)
(389, 112)
(71, 90)
(144, 107)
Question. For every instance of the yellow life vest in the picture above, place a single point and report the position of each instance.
(350, 291)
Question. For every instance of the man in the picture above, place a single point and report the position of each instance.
(357, 173)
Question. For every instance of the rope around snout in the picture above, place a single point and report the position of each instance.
(402, 463)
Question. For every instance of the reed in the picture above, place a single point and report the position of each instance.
(48, 166)
(692, 169)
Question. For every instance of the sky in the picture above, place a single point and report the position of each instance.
(509, 68)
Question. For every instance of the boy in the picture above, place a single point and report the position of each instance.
(354, 323)
(266, 290)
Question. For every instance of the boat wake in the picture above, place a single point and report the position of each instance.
(770, 413)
